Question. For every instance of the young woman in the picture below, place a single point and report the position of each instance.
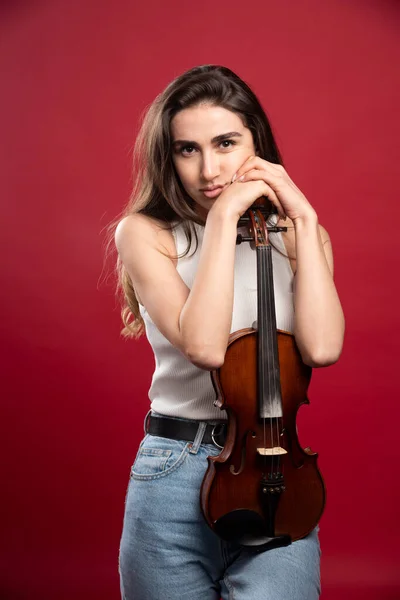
(207, 153)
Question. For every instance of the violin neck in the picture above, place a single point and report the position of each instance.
(268, 374)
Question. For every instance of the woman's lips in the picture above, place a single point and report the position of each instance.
(213, 193)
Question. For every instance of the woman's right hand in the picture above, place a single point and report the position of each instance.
(239, 196)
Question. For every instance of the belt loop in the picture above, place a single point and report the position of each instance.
(146, 422)
(199, 437)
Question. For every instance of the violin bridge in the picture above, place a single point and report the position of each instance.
(276, 451)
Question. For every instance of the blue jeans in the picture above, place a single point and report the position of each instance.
(168, 552)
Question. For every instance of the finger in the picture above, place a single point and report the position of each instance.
(269, 192)
(243, 168)
(256, 174)
(255, 162)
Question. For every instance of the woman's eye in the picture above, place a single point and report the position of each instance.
(186, 149)
(228, 142)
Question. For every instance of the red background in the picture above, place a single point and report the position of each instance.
(76, 76)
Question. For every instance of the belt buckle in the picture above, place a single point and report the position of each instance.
(214, 433)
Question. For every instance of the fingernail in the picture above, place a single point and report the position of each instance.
(233, 178)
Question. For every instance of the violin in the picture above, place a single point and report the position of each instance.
(263, 490)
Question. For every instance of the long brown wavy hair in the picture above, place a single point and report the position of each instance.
(157, 190)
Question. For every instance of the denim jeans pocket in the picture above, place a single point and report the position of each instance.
(158, 457)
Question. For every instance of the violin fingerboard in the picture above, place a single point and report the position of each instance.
(268, 373)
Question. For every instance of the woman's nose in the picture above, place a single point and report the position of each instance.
(210, 166)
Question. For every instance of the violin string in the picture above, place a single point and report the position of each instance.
(267, 342)
(261, 326)
(267, 317)
(274, 349)
(270, 366)
(277, 371)
(277, 379)
(271, 353)
(261, 329)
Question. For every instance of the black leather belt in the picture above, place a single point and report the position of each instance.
(178, 429)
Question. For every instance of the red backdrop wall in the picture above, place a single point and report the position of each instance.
(75, 78)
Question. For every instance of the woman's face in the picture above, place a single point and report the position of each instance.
(209, 144)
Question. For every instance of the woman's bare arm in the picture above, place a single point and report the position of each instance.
(319, 320)
(196, 321)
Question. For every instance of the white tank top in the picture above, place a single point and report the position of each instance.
(179, 388)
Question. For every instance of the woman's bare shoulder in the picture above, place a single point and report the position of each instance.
(140, 228)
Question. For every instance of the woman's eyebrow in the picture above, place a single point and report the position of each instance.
(215, 140)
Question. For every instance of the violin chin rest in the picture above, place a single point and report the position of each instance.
(247, 528)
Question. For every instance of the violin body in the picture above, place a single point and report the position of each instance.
(234, 477)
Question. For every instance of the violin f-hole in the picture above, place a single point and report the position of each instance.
(243, 454)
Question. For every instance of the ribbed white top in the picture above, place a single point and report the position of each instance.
(179, 388)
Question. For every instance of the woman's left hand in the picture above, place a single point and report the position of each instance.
(294, 203)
